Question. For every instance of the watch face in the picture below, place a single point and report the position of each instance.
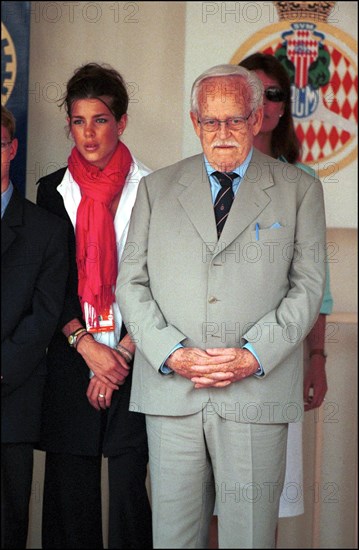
(72, 338)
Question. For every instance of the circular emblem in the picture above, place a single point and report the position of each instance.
(320, 61)
(8, 65)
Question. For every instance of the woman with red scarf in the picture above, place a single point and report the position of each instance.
(86, 405)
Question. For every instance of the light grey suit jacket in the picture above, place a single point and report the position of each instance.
(260, 284)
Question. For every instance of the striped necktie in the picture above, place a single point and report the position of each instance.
(224, 198)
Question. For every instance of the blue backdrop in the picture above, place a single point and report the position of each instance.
(15, 33)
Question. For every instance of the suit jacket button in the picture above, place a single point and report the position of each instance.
(212, 300)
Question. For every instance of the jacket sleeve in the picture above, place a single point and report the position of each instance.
(23, 348)
(286, 326)
(154, 337)
(51, 200)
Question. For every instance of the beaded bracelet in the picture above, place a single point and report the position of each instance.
(81, 335)
(126, 354)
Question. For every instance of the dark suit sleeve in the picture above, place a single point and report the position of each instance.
(24, 347)
(49, 198)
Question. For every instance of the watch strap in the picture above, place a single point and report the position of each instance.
(72, 338)
(81, 335)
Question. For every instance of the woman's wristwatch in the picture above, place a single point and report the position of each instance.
(74, 336)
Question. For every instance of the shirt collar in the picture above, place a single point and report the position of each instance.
(5, 198)
(240, 169)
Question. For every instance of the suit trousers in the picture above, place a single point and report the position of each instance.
(16, 479)
(198, 457)
(130, 518)
(72, 516)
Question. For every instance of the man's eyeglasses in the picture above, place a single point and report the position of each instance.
(275, 94)
(4, 144)
(233, 123)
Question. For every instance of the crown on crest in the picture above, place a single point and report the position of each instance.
(315, 11)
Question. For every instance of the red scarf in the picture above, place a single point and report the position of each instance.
(96, 251)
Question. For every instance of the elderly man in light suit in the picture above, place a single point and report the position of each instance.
(219, 317)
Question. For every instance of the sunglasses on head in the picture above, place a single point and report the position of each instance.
(275, 94)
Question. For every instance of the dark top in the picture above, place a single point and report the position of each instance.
(70, 424)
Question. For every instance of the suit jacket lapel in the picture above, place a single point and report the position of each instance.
(12, 218)
(196, 199)
(250, 199)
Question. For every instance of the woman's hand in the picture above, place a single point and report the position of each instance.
(107, 364)
(99, 394)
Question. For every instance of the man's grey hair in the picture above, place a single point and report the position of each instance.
(251, 80)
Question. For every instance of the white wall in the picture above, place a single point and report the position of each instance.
(144, 41)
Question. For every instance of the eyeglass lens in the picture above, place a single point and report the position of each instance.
(4, 144)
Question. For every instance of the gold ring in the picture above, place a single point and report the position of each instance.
(101, 395)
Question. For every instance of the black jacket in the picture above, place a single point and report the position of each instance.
(34, 267)
(70, 424)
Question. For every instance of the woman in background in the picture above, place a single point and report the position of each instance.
(277, 138)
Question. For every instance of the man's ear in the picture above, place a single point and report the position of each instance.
(196, 124)
(13, 148)
(257, 121)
